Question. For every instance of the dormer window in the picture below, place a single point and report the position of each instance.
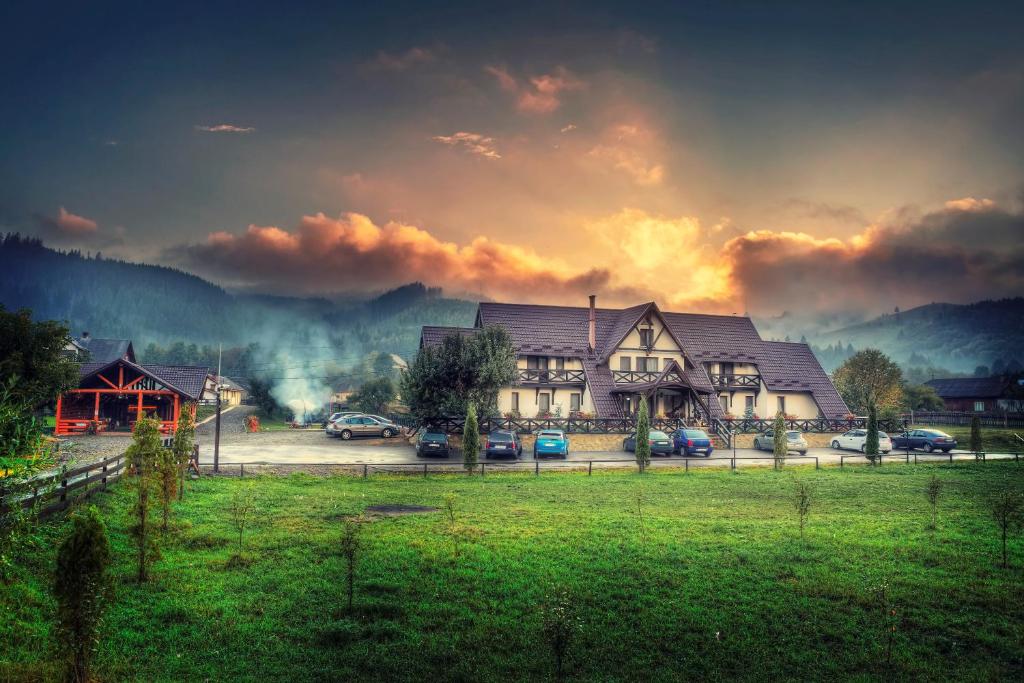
(646, 338)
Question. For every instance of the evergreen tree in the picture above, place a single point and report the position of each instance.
(780, 444)
(184, 443)
(142, 457)
(871, 443)
(81, 586)
(976, 441)
(643, 436)
(470, 439)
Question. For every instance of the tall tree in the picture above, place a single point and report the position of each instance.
(871, 443)
(869, 378)
(643, 436)
(921, 397)
(470, 439)
(374, 396)
(142, 457)
(976, 443)
(444, 379)
(33, 364)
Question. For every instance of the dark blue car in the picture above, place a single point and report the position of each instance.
(691, 441)
(928, 440)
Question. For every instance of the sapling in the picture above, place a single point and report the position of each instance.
(470, 440)
(780, 443)
(643, 436)
(167, 482)
(184, 441)
(81, 586)
(871, 442)
(243, 505)
(1006, 511)
(559, 623)
(932, 491)
(450, 503)
(350, 545)
(802, 497)
(142, 456)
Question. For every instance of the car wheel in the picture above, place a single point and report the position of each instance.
(387, 433)
(928, 448)
(946, 450)
(835, 445)
(345, 435)
(864, 449)
(802, 452)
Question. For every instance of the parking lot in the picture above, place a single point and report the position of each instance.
(313, 447)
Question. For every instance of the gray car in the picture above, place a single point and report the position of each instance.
(795, 441)
(362, 425)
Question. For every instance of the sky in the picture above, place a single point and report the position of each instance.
(726, 157)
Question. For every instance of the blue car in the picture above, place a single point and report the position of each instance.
(691, 441)
(551, 442)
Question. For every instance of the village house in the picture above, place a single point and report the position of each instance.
(589, 361)
(997, 394)
(114, 389)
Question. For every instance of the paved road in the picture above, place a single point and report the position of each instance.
(315, 448)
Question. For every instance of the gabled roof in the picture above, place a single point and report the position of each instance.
(630, 318)
(792, 366)
(187, 380)
(106, 350)
(969, 387)
(433, 335)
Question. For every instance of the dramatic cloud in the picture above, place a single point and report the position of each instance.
(474, 143)
(537, 94)
(967, 251)
(225, 128)
(569, 128)
(69, 224)
(325, 254)
(390, 61)
(67, 229)
(626, 148)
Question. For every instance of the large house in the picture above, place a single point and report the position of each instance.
(600, 361)
(114, 389)
(1000, 393)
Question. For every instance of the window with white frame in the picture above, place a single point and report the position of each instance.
(979, 406)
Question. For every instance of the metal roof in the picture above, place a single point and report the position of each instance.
(969, 387)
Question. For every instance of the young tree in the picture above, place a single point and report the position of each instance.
(643, 436)
(350, 545)
(921, 397)
(780, 444)
(33, 352)
(374, 396)
(470, 439)
(243, 505)
(976, 442)
(1006, 511)
(802, 498)
(184, 442)
(932, 492)
(869, 377)
(142, 457)
(167, 483)
(560, 624)
(871, 443)
(81, 586)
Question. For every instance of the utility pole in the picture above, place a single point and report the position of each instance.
(216, 430)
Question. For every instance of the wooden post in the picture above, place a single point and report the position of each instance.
(56, 418)
(96, 409)
(590, 467)
(177, 411)
(138, 412)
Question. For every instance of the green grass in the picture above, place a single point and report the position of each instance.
(204, 411)
(994, 440)
(715, 585)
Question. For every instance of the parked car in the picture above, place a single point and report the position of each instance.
(433, 443)
(334, 417)
(660, 443)
(795, 441)
(690, 441)
(927, 440)
(503, 442)
(856, 440)
(551, 442)
(362, 425)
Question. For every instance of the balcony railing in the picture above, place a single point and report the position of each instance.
(633, 376)
(736, 381)
(537, 376)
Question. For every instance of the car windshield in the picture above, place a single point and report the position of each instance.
(658, 436)
(499, 436)
(434, 436)
(551, 435)
(934, 432)
(695, 434)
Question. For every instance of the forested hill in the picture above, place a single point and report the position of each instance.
(957, 337)
(146, 303)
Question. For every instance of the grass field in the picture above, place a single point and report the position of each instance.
(710, 580)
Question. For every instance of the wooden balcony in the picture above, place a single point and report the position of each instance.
(538, 376)
(633, 376)
(720, 381)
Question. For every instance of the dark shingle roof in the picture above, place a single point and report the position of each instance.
(785, 366)
(969, 387)
(432, 335)
(188, 379)
(107, 350)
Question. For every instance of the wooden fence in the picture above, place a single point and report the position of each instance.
(50, 493)
(959, 419)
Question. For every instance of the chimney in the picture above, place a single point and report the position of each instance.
(85, 336)
(592, 338)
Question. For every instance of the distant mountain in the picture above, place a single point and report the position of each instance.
(155, 304)
(952, 336)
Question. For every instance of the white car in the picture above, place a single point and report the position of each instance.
(856, 440)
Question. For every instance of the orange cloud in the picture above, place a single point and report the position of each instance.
(225, 128)
(474, 143)
(627, 148)
(326, 254)
(539, 94)
(72, 224)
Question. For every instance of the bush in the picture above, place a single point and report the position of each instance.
(81, 586)
(871, 443)
(1006, 511)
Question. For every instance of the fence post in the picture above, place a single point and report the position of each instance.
(590, 467)
(104, 479)
(482, 466)
(424, 470)
(536, 467)
(686, 466)
(241, 470)
(366, 471)
(816, 463)
(951, 457)
(734, 463)
(842, 461)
